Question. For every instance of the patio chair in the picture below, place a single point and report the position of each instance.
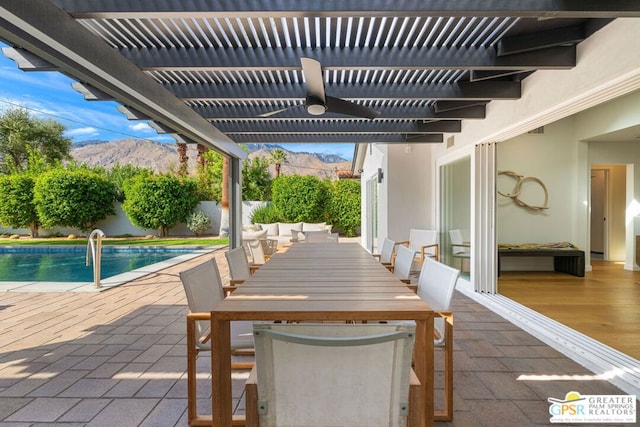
(320, 237)
(386, 253)
(459, 248)
(436, 286)
(239, 267)
(403, 262)
(425, 243)
(203, 289)
(298, 382)
(257, 249)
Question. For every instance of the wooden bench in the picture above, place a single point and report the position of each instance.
(570, 261)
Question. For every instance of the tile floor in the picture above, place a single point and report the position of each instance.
(117, 358)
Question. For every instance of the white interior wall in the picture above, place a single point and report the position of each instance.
(551, 158)
(610, 116)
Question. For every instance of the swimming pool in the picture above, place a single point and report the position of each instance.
(68, 263)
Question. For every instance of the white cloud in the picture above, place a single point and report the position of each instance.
(82, 132)
(141, 127)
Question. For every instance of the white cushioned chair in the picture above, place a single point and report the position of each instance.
(425, 243)
(386, 253)
(436, 285)
(203, 289)
(403, 262)
(239, 267)
(459, 248)
(318, 375)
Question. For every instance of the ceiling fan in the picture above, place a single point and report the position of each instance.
(317, 102)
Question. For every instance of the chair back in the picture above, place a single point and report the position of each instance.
(247, 249)
(457, 242)
(436, 284)
(203, 288)
(386, 252)
(257, 251)
(238, 264)
(320, 237)
(301, 384)
(419, 238)
(403, 262)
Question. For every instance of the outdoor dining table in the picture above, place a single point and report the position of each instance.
(319, 282)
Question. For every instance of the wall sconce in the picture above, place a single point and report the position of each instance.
(380, 175)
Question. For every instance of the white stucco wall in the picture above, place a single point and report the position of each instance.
(119, 224)
(409, 177)
(376, 157)
(608, 67)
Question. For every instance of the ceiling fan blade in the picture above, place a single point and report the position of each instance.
(341, 106)
(313, 76)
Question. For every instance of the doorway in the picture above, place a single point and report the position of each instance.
(608, 207)
(599, 232)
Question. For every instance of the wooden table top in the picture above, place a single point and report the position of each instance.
(307, 280)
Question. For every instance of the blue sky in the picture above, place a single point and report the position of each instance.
(49, 94)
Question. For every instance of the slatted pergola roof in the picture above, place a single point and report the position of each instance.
(220, 72)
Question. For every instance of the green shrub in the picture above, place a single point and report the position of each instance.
(159, 201)
(266, 214)
(346, 206)
(301, 198)
(73, 198)
(198, 222)
(17, 208)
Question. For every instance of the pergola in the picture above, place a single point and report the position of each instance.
(219, 73)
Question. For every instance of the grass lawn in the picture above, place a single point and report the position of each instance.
(125, 241)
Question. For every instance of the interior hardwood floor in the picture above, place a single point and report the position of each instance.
(604, 305)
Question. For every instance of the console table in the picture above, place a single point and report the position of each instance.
(570, 261)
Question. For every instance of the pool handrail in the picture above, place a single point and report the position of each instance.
(95, 250)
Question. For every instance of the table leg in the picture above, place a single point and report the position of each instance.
(221, 399)
(424, 367)
(192, 353)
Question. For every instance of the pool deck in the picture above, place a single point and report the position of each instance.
(118, 358)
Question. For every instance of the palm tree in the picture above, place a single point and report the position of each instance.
(277, 157)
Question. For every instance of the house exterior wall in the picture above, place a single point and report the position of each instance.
(410, 201)
(608, 67)
(376, 157)
(407, 172)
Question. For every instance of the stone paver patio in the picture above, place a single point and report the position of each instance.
(118, 358)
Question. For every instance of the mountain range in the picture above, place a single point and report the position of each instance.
(163, 157)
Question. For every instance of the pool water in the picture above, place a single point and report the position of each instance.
(69, 264)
